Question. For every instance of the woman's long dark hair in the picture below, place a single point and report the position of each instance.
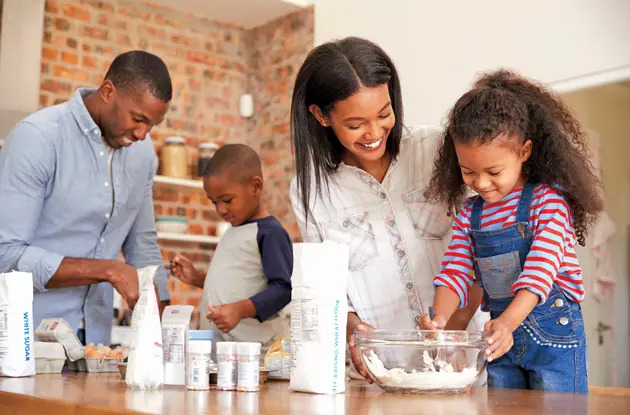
(332, 72)
(503, 103)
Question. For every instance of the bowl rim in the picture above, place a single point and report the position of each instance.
(379, 336)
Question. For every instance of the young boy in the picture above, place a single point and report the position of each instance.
(249, 278)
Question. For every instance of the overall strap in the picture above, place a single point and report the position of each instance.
(522, 212)
(475, 216)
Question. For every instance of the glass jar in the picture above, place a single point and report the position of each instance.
(206, 151)
(174, 160)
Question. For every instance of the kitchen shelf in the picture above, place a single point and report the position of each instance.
(186, 237)
(195, 184)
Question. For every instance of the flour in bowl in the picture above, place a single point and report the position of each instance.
(430, 379)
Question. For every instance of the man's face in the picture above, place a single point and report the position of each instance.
(130, 115)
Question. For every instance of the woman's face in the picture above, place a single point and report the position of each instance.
(362, 123)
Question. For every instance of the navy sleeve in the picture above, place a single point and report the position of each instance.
(276, 253)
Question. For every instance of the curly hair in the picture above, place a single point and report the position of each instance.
(502, 104)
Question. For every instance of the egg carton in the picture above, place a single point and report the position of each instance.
(96, 365)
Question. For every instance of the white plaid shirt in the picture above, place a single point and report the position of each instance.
(396, 238)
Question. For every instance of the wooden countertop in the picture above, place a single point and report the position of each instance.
(89, 394)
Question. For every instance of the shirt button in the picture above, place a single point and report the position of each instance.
(102, 240)
(401, 253)
(392, 223)
(345, 223)
(564, 321)
(383, 195)
(558, 302)
(107, 215)
(106, 184)
(417, 318)
(102, 153)
(409, 286)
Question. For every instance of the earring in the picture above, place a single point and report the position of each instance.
(324, 124)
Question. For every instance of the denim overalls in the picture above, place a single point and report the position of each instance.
(549, 351)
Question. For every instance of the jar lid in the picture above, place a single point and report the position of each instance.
(248, 348)
(199, 346)
(200, 334)
(226, 347)
(175, 140)
(209, 146)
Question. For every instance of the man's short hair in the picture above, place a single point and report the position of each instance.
(137, 69)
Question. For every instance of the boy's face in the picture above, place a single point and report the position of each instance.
(235, 202)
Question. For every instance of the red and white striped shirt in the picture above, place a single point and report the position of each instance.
(551, 259)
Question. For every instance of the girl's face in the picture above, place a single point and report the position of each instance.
(362, 123)
(493, 169)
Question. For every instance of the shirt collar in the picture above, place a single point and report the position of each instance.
(82, 116)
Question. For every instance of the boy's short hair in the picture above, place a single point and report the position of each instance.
(238, 161)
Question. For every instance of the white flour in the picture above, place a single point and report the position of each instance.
(446, 378)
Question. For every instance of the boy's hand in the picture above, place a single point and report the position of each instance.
(500, 338)
(184, 270)
(227, 316)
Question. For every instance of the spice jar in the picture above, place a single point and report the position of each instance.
(206, 151)
(248, 367)
(227, 363)
(174, 161)
(198, 359)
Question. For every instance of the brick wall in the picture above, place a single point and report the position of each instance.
(211, 65)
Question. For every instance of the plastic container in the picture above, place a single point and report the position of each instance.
(57, 330)
(198, 359)
(49, 357)
(227, 361)
(419, 361)
(248, 367)
(172, 224)
(174, 160)
(206, 151)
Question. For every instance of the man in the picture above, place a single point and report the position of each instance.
(76, 189)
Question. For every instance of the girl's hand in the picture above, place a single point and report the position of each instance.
(500, 340)
(184, 270)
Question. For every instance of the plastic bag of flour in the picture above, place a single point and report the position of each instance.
(16, 324)
(319, 312)
(145, 367)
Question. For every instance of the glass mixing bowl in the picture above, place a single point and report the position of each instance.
(422, 361)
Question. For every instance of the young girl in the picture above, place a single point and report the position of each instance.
(524, 154)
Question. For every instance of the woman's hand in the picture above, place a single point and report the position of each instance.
(355, 324)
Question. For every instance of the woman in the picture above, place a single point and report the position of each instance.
(360, 181)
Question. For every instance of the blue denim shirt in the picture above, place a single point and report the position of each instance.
(56, 201)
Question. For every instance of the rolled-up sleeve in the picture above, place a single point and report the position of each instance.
(27, 164)
(140, 247)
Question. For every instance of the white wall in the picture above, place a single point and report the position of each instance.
(606, 110)
(20, 54)
(439, 46)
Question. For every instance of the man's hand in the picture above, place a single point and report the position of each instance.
(124, 279)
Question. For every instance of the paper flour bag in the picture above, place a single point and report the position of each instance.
(16, 324)
(319, 312)
(145, 367)
(175, 323)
